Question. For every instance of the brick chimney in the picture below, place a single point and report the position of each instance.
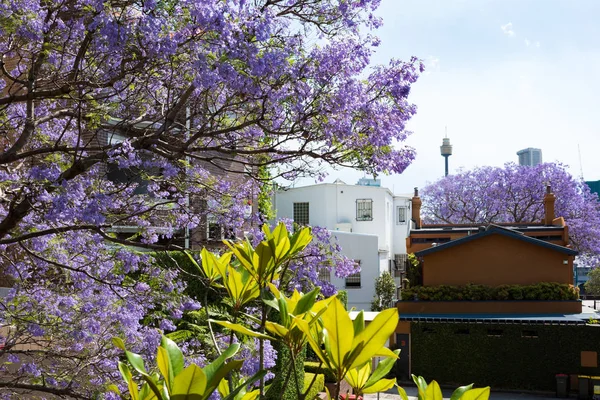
(416, 209)
(549, 200)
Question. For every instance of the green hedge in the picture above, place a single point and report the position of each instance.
(540, 291)
(311, 392)
(282, 370)
(313, 368)
(501, 355)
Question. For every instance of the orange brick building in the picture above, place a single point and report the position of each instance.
(494, 331)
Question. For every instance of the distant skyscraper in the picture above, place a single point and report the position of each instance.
(530, 156)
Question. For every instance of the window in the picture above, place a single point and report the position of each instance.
(364, 210)
(301, 215)
(401, 215)
(324, 275)
(214, 231)
(353, 281)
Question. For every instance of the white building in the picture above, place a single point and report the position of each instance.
(370, 222)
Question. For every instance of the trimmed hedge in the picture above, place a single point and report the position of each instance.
(282, 370)
(313, 368)
(508, 356)
(311, 393)
(540, 291)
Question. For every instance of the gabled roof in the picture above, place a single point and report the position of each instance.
(497, 230)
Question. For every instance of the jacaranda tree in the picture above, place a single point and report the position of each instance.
(515, 194)
(159, 116)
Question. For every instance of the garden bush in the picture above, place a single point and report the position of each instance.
(542, 291)
(311, 392)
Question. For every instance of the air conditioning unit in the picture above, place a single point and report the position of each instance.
(344, 227)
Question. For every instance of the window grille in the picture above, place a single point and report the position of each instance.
(354, 279)
(324, 275)
(401, 215)
(301, 213)
(215, 232)
(364, 210)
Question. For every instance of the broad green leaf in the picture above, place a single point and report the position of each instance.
(193, 261)
(433, 391)
(300, 240)
(357, 377)
(145, 391)
(124, 370)
(383, 367)
(477, 394)
(359, 323)
(152, 385)
(380, 386)
(339, 331)
(214, 366)
(136, 361)
(242, 329)
(402, 393)
(306, 302)
(311, 336)
(284, 317)
(252, 395)
(192, 380)
(164, 366)
(265, 259)
(221, 373)
(223, 388)
(113, 388)
(457, 394)
(118, 342)
(276, 329)
(175, 354)
(421, 385)
(375, 335)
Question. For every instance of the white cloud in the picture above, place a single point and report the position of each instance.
(537, 44)
(527, 42)
(508, 29)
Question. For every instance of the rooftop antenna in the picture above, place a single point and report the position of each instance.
(580, 164)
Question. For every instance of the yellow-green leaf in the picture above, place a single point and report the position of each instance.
(191, 380)
(433, 391)
(340, 332)
(375, 335)
(276, 329)
(402, 393)
(381, 385)
(164, 365)
(477, 394)
(242, 329)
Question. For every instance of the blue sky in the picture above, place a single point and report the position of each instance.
(501, 75)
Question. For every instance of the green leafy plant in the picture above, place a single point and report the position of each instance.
(385, 291)
(544, 291)
(432, 391)
(363, 381)
(173, 381)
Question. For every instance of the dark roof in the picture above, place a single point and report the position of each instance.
(528, 319)
(497, 230)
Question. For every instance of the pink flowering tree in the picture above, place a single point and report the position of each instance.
(515, 194)
(125, 124)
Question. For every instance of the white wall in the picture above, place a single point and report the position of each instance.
(331, 204)
(361, 247)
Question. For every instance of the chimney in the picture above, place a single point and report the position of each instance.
(549, 200)
(416, 209)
